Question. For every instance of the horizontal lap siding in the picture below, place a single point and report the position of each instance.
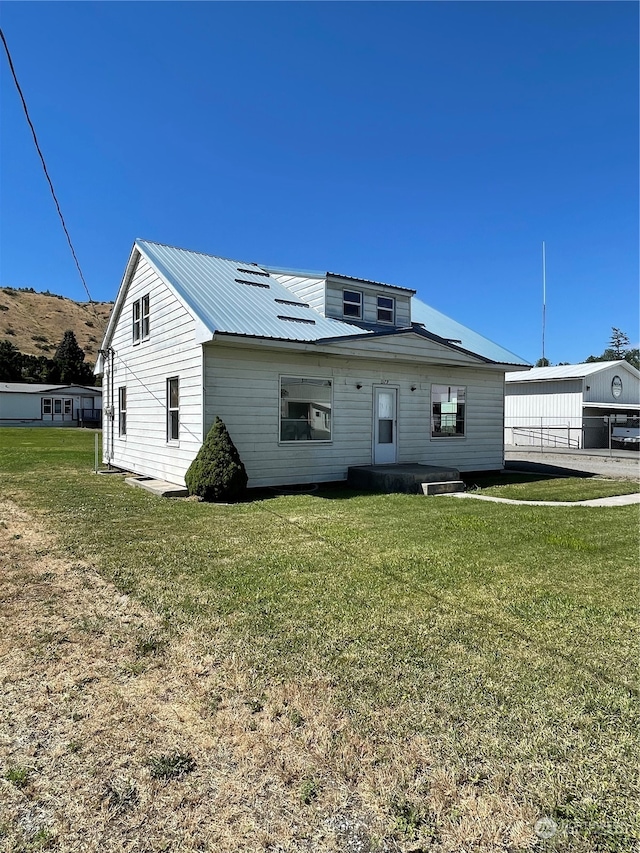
(242, 388)
(144, 369)
(370, 302)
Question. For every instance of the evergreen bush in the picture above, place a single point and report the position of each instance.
(217, 472)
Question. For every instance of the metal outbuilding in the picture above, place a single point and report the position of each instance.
(572, 405)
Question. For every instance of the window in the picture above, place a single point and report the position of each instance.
(47, 406)
(386, 309)
(145, 317)
(122, 411)
(447, 407)
(141, 319)
(305, 409)
(68, 407)
(173, 409)
(57, 407)
(352, 303)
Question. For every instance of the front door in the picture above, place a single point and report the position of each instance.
(385, 422)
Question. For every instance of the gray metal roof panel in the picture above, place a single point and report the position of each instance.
(209, 286)
(564, 371)
(444, 327)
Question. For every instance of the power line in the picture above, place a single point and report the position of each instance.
(44, 165)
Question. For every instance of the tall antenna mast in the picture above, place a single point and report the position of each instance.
(544, 295)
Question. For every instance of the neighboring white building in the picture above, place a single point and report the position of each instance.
(310, 372)
(31, 404)
(571, 405)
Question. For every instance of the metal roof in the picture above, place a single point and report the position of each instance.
(459, 335)
(369, 281)
(564, 371)
(239, 303)
(239, 298)
(38, 388)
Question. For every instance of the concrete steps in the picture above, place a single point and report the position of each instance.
(407, 478)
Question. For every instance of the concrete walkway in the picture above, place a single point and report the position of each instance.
(616, 500)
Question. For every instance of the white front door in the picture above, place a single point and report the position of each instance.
(385, 422)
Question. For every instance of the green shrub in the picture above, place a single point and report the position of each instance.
(217, 472)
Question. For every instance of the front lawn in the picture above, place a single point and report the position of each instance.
(463, 668)
(559, 488)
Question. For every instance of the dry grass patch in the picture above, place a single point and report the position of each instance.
(121, 735)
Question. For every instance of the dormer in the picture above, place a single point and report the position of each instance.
(367, 303)
(358, 301)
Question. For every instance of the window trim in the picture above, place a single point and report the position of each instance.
(456, 436)
(391, 310)
(310, 441)
(171, 409)
(140, 318)
(358, 304)
(48, 400)
(122, 411)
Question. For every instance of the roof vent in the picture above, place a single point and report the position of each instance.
(291, 302)
(253, 272)
(296, 319)
(253, 283)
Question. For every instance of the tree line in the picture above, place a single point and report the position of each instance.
(67, 367)
(619, 349)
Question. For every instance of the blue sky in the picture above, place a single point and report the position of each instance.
(430, 145)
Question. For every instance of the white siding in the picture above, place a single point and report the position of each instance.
(243, 390)
(599, 386)
(370, 305)
(20, 407)
(25, 409)
(548, 413)
(144, 369)
(309, 289)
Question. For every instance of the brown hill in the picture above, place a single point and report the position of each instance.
(36, 322)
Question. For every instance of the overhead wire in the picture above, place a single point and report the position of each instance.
(44, 166)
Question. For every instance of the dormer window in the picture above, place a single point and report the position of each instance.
(352, 304)
(386, 309)
(141, 319)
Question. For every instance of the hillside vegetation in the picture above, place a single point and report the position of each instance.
(35, 322)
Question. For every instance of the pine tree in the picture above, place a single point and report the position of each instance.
(69, 366)
(618, 343)
(217, 472)
(10, 362)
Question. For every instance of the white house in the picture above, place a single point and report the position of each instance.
(571, 405)
(311, 372)
(31, 404)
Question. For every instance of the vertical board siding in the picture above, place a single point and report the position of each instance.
(144, 369)
(600, 386)
(242, 388)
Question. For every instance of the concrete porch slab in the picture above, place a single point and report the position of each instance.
(407, 477)
(161, 488)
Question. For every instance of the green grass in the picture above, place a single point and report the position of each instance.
(526, 488)
(501, 634)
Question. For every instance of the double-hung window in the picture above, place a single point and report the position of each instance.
(47, 406)
(386, 309)
(122, 410)
(141, 319)
(68, 407)
(305, 409)
(173, 409)
(352, 304)
(447, 411)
